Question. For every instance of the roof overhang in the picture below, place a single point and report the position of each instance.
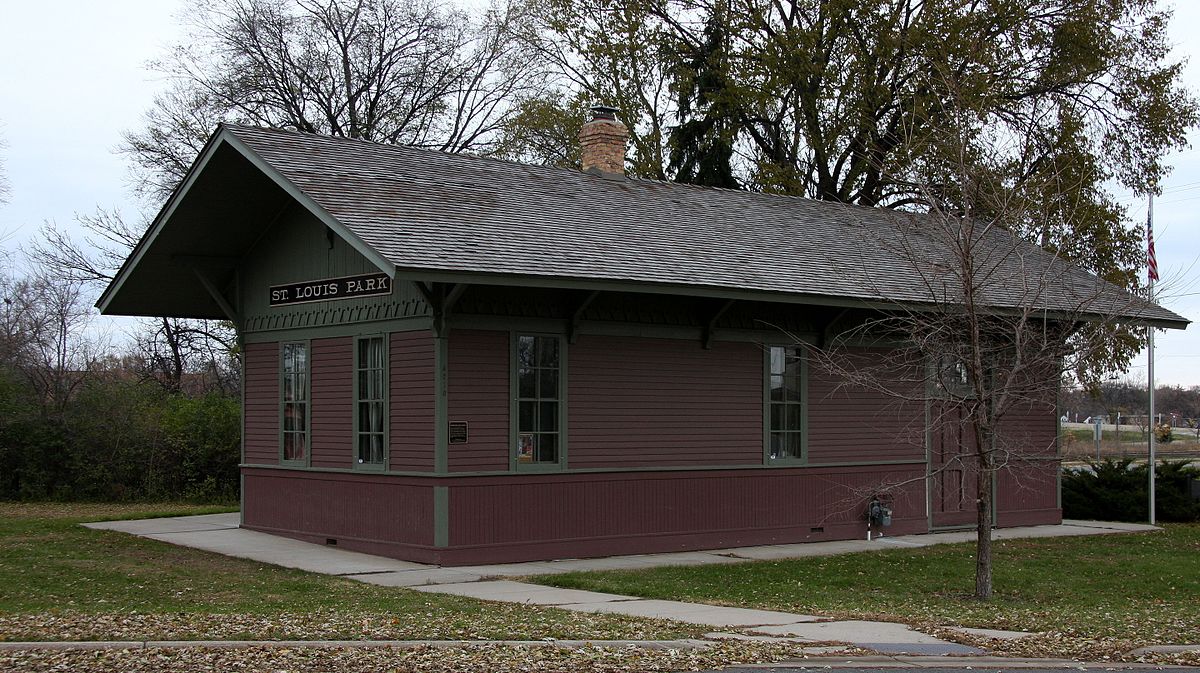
(186, 263)
(1129, 317)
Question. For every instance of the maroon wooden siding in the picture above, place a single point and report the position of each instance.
(524, 517)
(478, 392)
(1030, 431)
(261, 389)
(857, 424)
(331, 422)
(387, 515)
(411, 394)
(632, 402)
(1027, 494)
(1027, 487)
(663, 402)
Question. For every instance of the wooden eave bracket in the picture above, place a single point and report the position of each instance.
(830, 328)
(706, 338)
(219, 297)
(441, 301)
(577, 316)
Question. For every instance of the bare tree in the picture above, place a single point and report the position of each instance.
(165, 349)
(394, 71)
(991, 326)
(5, 188)
(45, 337)
(617, 54)
(15, 314)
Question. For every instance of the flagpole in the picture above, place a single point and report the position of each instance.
(1152, 275)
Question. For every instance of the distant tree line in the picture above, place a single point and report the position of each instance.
(1178, 406)
(81, 418)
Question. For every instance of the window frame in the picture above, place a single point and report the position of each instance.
(515, 396)
(785, 461)
(385, 401)
(306, 343)
(941, 387)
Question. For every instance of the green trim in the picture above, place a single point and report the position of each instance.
(216, 295)
(242, 439)
(1058, 490)
(350, 329)
(441, 516)
(514, 408)
(995, 494)
(766, 405)
(928, 404)
(387, 407)
(333, 314)
(802, 353)
(242, 397)
(1058, 429)
(307, 403)
(612, 328)
(647, 287)
(585, 470)
(309, 204)
(441, 444)
(505, 324)
(1058, 439)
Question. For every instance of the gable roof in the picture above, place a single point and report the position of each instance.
(438, 216)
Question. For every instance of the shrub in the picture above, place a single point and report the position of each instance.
(202, 447)
(1117, 490)
(118, 439)
(1163, 433)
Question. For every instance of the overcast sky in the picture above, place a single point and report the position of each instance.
(74, 76)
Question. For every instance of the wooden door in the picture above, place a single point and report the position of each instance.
(952, 480)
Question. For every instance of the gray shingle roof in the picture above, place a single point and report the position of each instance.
(432, 211)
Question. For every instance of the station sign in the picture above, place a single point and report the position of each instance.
(331, 289)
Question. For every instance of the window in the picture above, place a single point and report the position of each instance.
(538, 395)
(293, 394)
(785, 403)
(370, 401)
(953, 379)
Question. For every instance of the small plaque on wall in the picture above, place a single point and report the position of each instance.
(458, 432)
(330, 289)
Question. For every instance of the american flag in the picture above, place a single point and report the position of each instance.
(1152, 262)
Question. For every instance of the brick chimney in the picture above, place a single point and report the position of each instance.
(603, 139)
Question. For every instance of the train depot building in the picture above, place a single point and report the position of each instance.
(455, 360)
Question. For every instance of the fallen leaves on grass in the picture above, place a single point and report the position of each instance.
(418, 660)
(102, 511)
(1066, 645)
(500, 622)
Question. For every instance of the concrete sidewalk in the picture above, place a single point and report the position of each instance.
(883, 637)
(220, 533)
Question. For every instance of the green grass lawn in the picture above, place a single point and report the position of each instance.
(1142, 587)
(1089, 435)
(60, 581)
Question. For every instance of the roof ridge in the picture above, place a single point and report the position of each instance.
(573, 171)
